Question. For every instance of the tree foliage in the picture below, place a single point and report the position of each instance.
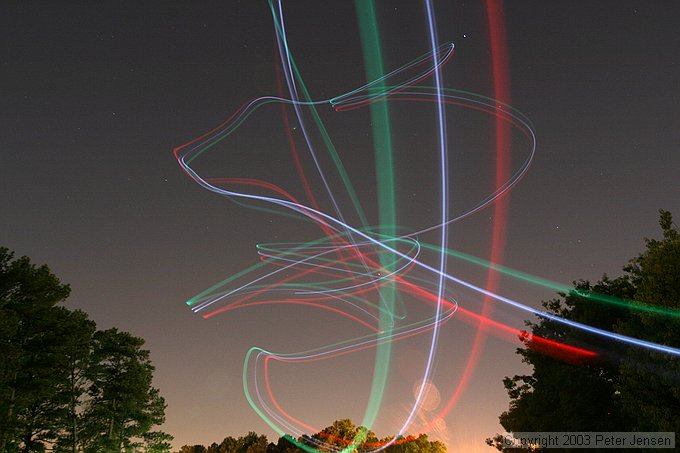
(123, 405)
(250, 443)
(64, 386)
(649, 382)
(28, 295)
(336, 437)
(339, 436)
(627, 388)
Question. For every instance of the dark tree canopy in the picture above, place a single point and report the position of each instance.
(627, 388)
(64, 386)
(335, 437)
(649, 382)
(250, 443)
(343, 433)
(28, 317)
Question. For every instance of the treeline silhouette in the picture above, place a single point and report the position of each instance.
(334, 438)
(626, 388)
(64, 385)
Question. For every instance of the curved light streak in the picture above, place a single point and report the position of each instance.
(358, 263)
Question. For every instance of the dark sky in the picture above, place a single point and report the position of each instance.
(95, 96)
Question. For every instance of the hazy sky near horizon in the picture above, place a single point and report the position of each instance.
(96, 96)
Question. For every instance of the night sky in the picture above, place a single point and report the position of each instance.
(95, 97)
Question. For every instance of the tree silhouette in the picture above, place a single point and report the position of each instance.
(626, 388)
(63, 385)
(28, 295)
(334, 438)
